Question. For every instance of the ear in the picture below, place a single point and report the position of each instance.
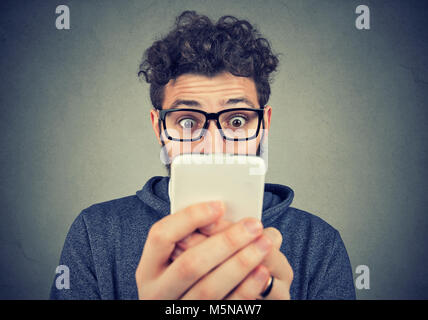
(267, 117)
(154, 117)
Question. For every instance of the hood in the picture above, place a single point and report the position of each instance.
(276, 200)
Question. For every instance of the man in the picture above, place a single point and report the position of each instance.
(133, 247)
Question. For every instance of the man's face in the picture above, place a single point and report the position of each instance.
(224, 91)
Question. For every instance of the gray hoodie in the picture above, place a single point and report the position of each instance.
(105, 242)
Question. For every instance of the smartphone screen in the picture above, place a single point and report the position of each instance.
(237, 180)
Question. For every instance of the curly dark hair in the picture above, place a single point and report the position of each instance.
(196, 45)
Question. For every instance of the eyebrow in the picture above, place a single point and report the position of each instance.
(238, 100)
(188, 103)
(194, 103)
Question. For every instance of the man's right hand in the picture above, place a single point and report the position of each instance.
(209, 270)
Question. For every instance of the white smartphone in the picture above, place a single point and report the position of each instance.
(237, 180)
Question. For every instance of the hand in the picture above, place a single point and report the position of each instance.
(208, 270)
(275, 263)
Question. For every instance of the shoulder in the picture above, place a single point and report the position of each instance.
(101, 227)
(306, 233)
(104, 219)
(303, 219)
(111, 210)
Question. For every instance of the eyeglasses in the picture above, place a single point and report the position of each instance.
(238, 124)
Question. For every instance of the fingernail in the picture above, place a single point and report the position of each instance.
(253, 226)
(263, 244)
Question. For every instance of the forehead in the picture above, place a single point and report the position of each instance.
(210, 89)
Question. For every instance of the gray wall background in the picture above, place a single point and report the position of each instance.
(348, 131)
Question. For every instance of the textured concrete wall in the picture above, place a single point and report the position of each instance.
(348, 131)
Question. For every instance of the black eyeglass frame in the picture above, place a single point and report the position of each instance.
(212, 116)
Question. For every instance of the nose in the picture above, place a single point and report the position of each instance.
(212, 140)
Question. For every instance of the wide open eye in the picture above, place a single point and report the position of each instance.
(187, 123)
(236, 122)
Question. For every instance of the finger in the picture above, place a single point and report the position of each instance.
(196, 237)
(166, 232)
(252, 286)
(196, 262)
(177, 251)
(191, 240)
(216, 227)
(218, 283)
(188, 242)
(274, 235)
(280, 291)
(278, 266)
